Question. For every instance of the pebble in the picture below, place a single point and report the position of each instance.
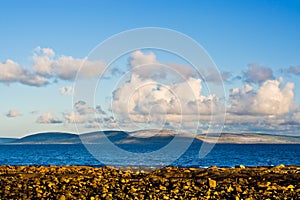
(75, 182)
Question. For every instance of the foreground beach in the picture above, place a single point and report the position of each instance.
(76, 182)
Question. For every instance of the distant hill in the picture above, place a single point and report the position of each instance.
(118, 137)
(48, 138)
(251, 138)
(7, 140)
(147, 137)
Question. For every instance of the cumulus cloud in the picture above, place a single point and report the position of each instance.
(13, 113)
(84, 113)
(64, 67)
(75, 117)
(146, 66)
(138, 58)
(11, 72)
(258, 74)
(33, 80)
(48, 118)
(271, 98)
(164, 93)
(184, 70)
(67, 90)
(42, 61)
(47, 65)
(83, 109)
(146, 100)
(294, 70)
(45, 51)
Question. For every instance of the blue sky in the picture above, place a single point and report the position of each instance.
(242, 37)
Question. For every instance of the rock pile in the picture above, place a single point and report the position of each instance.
(75, 182)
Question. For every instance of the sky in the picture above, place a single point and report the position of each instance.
(254, 44)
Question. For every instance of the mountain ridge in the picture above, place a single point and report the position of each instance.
(142, 136)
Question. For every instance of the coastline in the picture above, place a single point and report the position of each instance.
(83, 182)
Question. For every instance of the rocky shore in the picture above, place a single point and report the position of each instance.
(75, 182)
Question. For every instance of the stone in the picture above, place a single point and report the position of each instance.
(290, 187)
(212, 183)
(280, 166)
(242, 167)
(238, 189)
(62, 197)
(74, 182)
(230, 189)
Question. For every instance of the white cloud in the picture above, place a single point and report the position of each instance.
(64, 67)
(67, 90)
(47, 65)
(258, 74)
(84, 114)
(83, 109)
(33, 80)
(145, 100)
(13, 113)
(271, 98)
(184, 70)
(146, 66)
(11, 72)
(48, 118)
(46, 51)
(42, 62)
(138, 58)
(75, 117)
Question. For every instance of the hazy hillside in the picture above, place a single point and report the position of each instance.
(49, 138)
(146, 137)
(251, 138)
(7, 140)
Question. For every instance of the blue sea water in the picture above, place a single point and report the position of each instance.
(227, 155)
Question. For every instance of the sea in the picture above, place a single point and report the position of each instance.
(222, 155)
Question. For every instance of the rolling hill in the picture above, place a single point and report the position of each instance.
(147, 136)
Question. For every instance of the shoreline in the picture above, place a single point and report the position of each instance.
(84, 182)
